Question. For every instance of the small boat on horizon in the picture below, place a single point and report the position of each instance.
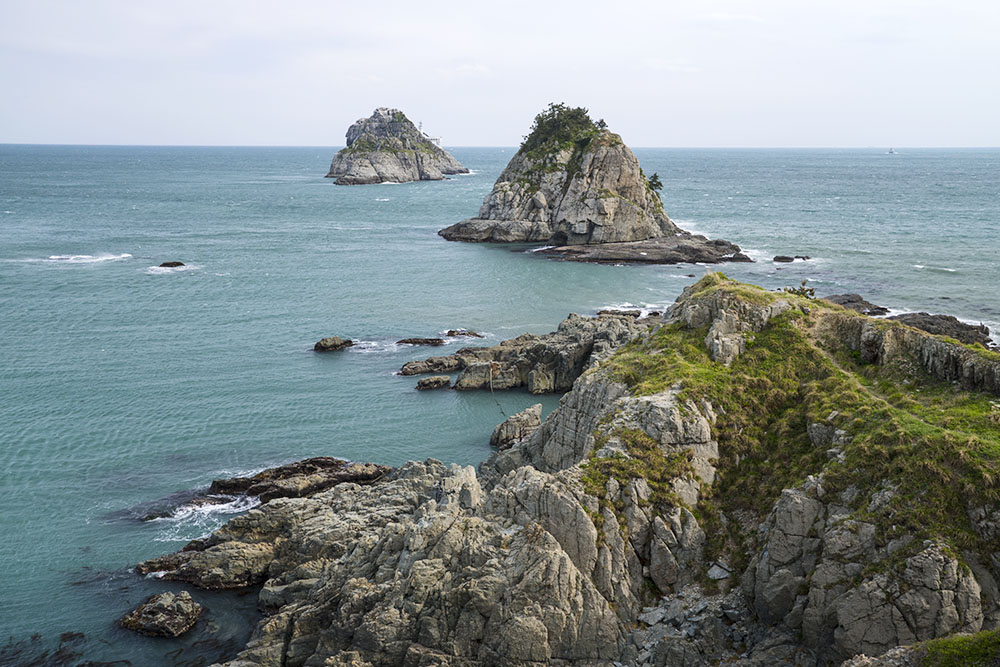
(891, 151)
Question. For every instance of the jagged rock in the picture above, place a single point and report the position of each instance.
(421, 341)
(388, 148)
(463, 332)
(164, 615)
(857, 303)
(947, 325)
(680, 249)
(783, 258)
(171, 265)
(544, 364)
(574, 183)
(332, 344)
(517, 427)
(299, 479)
(434, 382)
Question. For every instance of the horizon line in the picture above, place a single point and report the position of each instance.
(340, 146)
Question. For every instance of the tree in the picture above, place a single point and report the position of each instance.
(655, 184)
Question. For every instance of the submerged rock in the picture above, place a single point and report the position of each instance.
(463, 332)
(171, 265)
(164, 615)
(421, 341)
(388, 148)
(575, 183)
(332, 344)
(783, 258)
(681, 249)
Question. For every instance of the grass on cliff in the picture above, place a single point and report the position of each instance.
(979, 650)
(921, 451)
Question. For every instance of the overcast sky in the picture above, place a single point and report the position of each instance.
(764, 73)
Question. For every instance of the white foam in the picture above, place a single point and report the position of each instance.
(167, 270)
(939, 269)
(191, 522)
(544, 247)
(383, 199)
(374, 346)
(86, 259)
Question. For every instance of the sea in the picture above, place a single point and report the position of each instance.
(124, 384)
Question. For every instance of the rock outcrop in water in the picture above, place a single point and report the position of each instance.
(388, 148)
(760, 479)
(164, 615)
(574, 183)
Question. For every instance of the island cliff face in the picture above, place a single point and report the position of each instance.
(573, 183)
(388, 148)
(759, 478)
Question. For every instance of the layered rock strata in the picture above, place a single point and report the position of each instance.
(574, 183)
(545, 363)
(733, 486)
(388, 148)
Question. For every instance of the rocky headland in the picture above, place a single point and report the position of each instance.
(756, 478)
(574, 184)
(388, 148)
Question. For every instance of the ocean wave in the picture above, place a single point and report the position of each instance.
(374, 346)
(84, 259)
(644, 310)
(166, 270)
(544, 247)
(383, 199)
(192, 522)
(938, 269)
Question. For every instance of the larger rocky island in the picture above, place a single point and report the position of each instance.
(755, 478)
(575, 185)
(388, 148)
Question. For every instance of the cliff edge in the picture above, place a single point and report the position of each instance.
(388, 148)
(575, 184)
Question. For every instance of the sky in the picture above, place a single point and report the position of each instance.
(671, 74)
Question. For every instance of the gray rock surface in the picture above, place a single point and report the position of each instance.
(434, 382)
(517, 427)
(388, 148)
(164, 615)
(678, 249)
(947, 325)
(545, 363)
(332, 344)
(857, 303)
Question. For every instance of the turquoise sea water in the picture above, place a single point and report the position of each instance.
(123, 383)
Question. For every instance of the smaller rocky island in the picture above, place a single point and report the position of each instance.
(574, 185)
(388, 148)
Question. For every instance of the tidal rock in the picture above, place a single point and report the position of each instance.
(421, 341)
(388, 148)
(783, 258)
(434, 382)
(171, 265)
(947, 325)
(681, 249)
(164, 615)
(332, 344)
(857, 303)
(299, 479)
(575, 183)
(463, 332)
(517, 427)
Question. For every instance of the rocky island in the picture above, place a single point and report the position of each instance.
(756, 478)
(574, 185)
(388, 148)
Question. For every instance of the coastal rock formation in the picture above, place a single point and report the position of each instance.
(544, 364)
(756, 480)
(434, 382)
(171, 265)
(575, 183)
(332, 344)
(947, 325)
(299, 479)
(857, 303)
(388, 148)
(421, 341)
(680, 249)
(164, 615)
(517, 427)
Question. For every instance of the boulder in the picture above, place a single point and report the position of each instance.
(463, 332)
(171, 265)
(434, 382)
(164, 615)
(517, 427)
(332, 344)
(388, 148)
(783, 258)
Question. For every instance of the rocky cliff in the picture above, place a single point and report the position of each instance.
(388, 148)
(761, 478)
(575, 183)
